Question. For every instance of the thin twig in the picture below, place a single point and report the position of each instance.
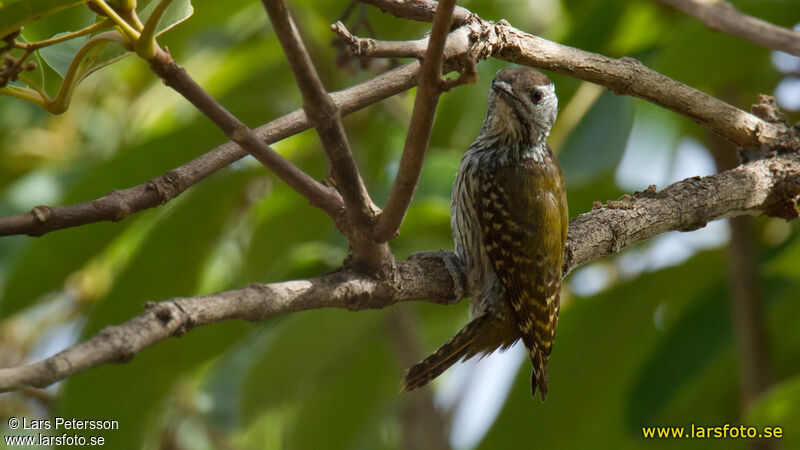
(419, 10)
(320, 108)
(32, 46)
(419, 130)
(119, 204)
(325, 116)
(722, 16)
(770, 185)
(380, 49)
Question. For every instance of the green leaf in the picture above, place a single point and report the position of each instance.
(177, 12)
(98, 57)
(16, 13)
(60, 56)
(597, 143)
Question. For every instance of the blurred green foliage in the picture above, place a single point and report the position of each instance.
(653, 349)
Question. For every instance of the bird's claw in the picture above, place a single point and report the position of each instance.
(454, 267)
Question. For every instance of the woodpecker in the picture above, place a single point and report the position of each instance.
(509, 221)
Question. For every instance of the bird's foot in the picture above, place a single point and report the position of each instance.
(454, 267)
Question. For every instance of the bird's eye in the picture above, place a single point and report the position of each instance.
(536, 97)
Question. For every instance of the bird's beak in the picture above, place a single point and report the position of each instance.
(501, 87)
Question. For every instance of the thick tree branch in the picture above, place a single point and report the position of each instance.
(722, 16)
(769, 186)
(344, 289)
(631, 77)
(119, 204)
(419, 130)
(175, 77)
(483, 39)
(320, 108)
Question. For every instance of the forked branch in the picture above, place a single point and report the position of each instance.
(324, 114)
(119, 204)
(175, 77)
(419, 130)
(770, 186)
(321, 109)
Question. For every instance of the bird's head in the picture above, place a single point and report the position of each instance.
(522, 106)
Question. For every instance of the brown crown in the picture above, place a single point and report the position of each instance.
(523, 77)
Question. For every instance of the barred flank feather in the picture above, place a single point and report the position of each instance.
(522, 212)
(509, 221)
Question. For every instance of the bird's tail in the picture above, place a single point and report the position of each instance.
(539, 372)
(483, 334)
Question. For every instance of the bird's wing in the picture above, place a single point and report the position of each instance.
(523, 217)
